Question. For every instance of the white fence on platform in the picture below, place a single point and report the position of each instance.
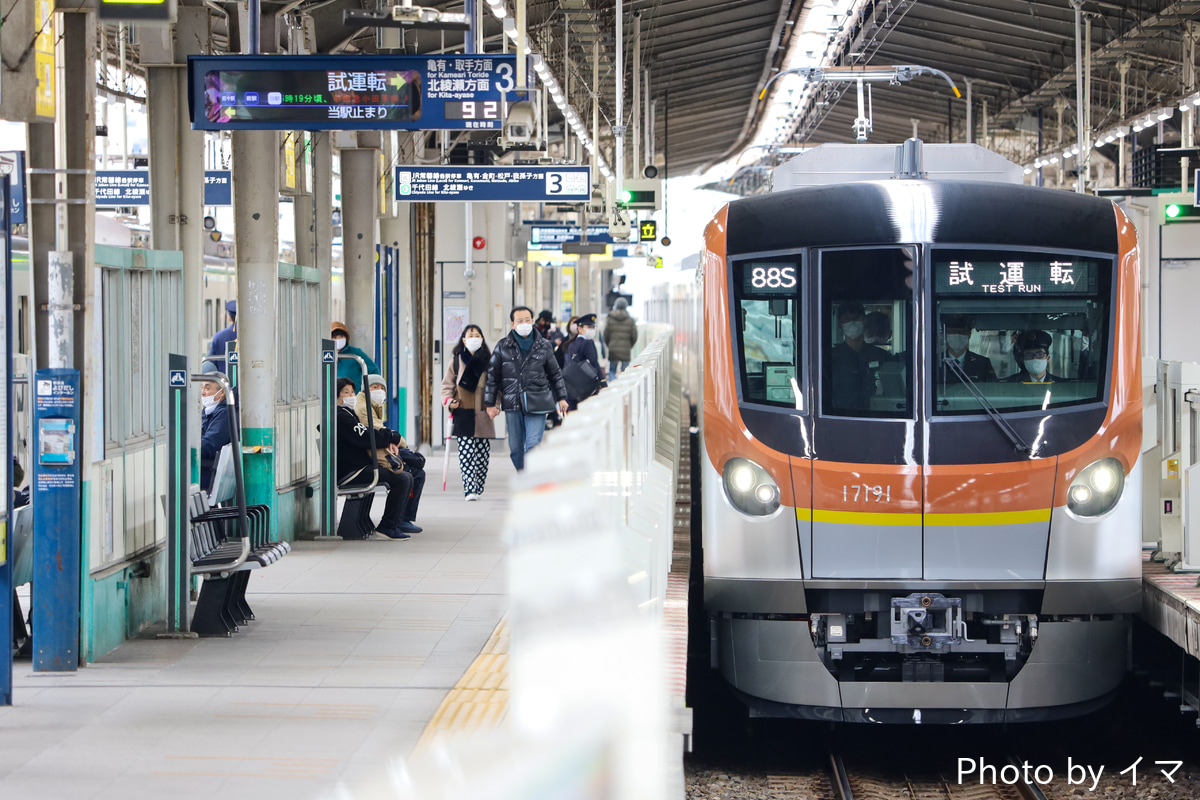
(590, 529)
(1171, 450)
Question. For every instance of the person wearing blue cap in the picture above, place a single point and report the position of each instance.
(225, 335)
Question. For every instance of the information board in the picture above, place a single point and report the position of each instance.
(123, 187)
(12, 164)
(494, 184)
(553, 237)
(345, 92)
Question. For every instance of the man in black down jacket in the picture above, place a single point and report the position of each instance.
(526, 376)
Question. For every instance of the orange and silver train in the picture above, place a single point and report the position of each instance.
(921, 429)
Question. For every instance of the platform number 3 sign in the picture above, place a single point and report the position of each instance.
(570, 184)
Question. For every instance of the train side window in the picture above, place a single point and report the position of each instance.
(767, 297)
(866, 332)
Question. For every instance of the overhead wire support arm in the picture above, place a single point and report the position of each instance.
(862, 76)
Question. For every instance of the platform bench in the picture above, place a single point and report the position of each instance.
(225, 560)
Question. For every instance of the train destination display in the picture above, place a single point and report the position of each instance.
(1016, 273)
(350, 92)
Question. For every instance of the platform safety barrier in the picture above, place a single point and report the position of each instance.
(589, 531)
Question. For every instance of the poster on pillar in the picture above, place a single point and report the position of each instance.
(287, 165)
(455, 319)
(43, 58)
(342, 92)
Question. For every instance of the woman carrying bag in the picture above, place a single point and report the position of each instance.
(462, 392)
(581, 370)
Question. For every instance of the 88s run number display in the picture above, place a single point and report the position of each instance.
(770, 277)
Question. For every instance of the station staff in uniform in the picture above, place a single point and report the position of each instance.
(227, 334)
(854, 364)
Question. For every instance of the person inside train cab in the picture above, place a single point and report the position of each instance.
(227, 334)
(348, 367)
(1034, 350)
(958, 328)
(853, 363)
(214, 427)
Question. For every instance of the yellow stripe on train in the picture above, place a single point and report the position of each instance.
(910, 519)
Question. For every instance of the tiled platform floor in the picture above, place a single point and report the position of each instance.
(355, 646)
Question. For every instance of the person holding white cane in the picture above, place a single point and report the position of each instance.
(462, 393)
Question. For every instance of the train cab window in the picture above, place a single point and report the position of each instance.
(866, 331)
(767, 298)
(1022, 331)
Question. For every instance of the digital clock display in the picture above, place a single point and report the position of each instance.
(473, 109)
(770, 277)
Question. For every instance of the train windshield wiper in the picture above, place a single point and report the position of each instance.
(1017, 442)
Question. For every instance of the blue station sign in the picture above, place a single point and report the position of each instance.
(499, 184)
(123, 187)
(394, 92)
(218, 187)
(553, 237)
(12, 164)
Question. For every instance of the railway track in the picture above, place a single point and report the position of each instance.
(842, 783)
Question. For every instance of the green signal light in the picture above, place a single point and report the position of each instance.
(626, 195)
(1174, 211)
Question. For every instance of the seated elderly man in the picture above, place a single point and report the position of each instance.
(214, 426)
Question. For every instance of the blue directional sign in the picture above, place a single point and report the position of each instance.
(499, 184)
(12, 163)
(553, 237)
(232, 358)
(394, 92)
(218, 187)
(123, 187)
(327, 357)
(178, 378)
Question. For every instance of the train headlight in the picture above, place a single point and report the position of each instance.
(750, 488)
(1097, 488)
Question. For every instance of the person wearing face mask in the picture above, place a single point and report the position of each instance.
(958, 329)
(214, 426)
(853, 370)
(462, 392)
(545, 326)
(396, 456)
(1033, 348)
(348, 367)
(354, 465)
(583, 351)
(525, 381)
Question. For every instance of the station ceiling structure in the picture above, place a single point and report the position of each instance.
(709, 59)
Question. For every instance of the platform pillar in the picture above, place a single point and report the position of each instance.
(256, 220)
(360, 207)
(322, 198)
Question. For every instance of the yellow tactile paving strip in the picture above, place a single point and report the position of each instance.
(480, 698)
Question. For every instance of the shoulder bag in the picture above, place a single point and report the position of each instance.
(581, 378)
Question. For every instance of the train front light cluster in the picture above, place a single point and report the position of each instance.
(1097, 488)
(750, 488)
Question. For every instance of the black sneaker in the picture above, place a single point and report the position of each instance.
(409, 527)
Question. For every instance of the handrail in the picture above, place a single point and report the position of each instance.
(235, 427)
(370, 421)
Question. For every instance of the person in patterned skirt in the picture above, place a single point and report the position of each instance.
(462, 392)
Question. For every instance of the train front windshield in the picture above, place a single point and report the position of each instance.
(1026, 331)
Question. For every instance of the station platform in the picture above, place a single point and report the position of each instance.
(1171, 604)
(356, 652)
